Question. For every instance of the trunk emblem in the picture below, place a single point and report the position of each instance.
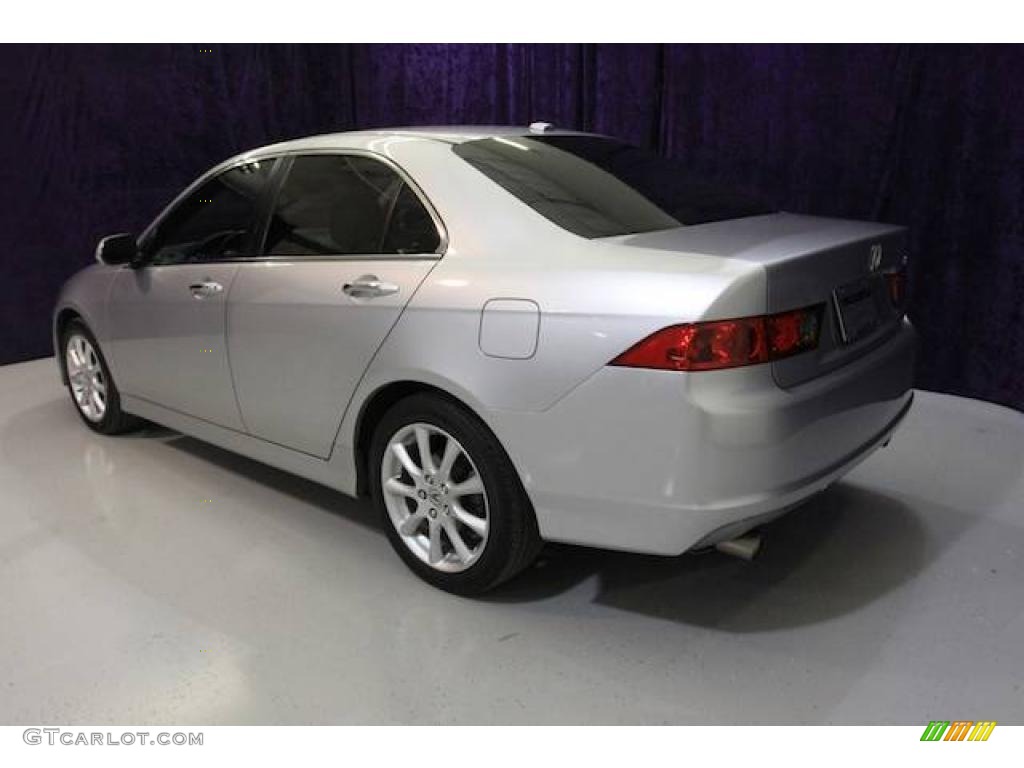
(875, 258)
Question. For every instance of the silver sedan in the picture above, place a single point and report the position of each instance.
(502, 336)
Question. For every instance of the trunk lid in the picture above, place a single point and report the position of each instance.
(808, 260)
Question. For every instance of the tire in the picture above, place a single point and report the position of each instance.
(94, 375)
(497, 526)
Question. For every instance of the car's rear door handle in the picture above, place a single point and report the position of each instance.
(368, 287)
(205, 289)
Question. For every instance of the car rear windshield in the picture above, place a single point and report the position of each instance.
(600, 187)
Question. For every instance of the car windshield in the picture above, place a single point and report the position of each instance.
(600, 187)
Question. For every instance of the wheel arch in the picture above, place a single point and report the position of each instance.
(61, 321)
(377, 404)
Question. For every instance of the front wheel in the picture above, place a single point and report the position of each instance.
(452, 503)
(90, 384)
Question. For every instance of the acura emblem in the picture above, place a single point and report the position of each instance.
(875, 259)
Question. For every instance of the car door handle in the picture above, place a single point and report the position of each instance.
(368, 287)
(205, 289)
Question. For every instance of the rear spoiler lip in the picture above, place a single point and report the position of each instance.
(765, 239)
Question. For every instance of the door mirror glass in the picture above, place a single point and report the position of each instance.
(117, 249)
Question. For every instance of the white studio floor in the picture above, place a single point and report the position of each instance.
(155, 579)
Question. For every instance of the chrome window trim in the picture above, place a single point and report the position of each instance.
(300, 259)
(228, 165)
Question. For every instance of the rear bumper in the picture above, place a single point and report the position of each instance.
(660, 462)
(778, 501)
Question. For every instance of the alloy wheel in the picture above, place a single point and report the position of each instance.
(435, 497)
(85, 374)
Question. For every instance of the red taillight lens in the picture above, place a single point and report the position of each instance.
(897, 284)
(793, 332)
(701, 346)
(726, 343)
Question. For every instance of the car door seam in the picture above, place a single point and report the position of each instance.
(373, 357)
(227, 348)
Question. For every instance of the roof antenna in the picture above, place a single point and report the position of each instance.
(541, 127)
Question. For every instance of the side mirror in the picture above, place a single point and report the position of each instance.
(117, 249)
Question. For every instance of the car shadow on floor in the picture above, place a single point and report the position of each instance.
(308, 492)
(845, 549)
(840, 551)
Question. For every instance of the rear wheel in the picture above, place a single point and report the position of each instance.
(452, 503)
(90, 384)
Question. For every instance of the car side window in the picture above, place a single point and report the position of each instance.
(215, 222)
(410, 228)
(342, 205)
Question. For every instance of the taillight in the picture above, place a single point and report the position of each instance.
(721, 344)
(897, 284)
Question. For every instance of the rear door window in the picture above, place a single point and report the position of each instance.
(347, 205)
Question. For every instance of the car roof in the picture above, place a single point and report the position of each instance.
(365, 139)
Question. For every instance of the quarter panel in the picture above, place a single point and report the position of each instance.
(590, 313)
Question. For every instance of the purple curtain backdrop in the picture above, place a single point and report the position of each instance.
(96, 138)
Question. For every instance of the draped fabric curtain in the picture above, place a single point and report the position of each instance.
(96, 138)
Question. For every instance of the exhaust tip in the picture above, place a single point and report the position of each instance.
(744, 547)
